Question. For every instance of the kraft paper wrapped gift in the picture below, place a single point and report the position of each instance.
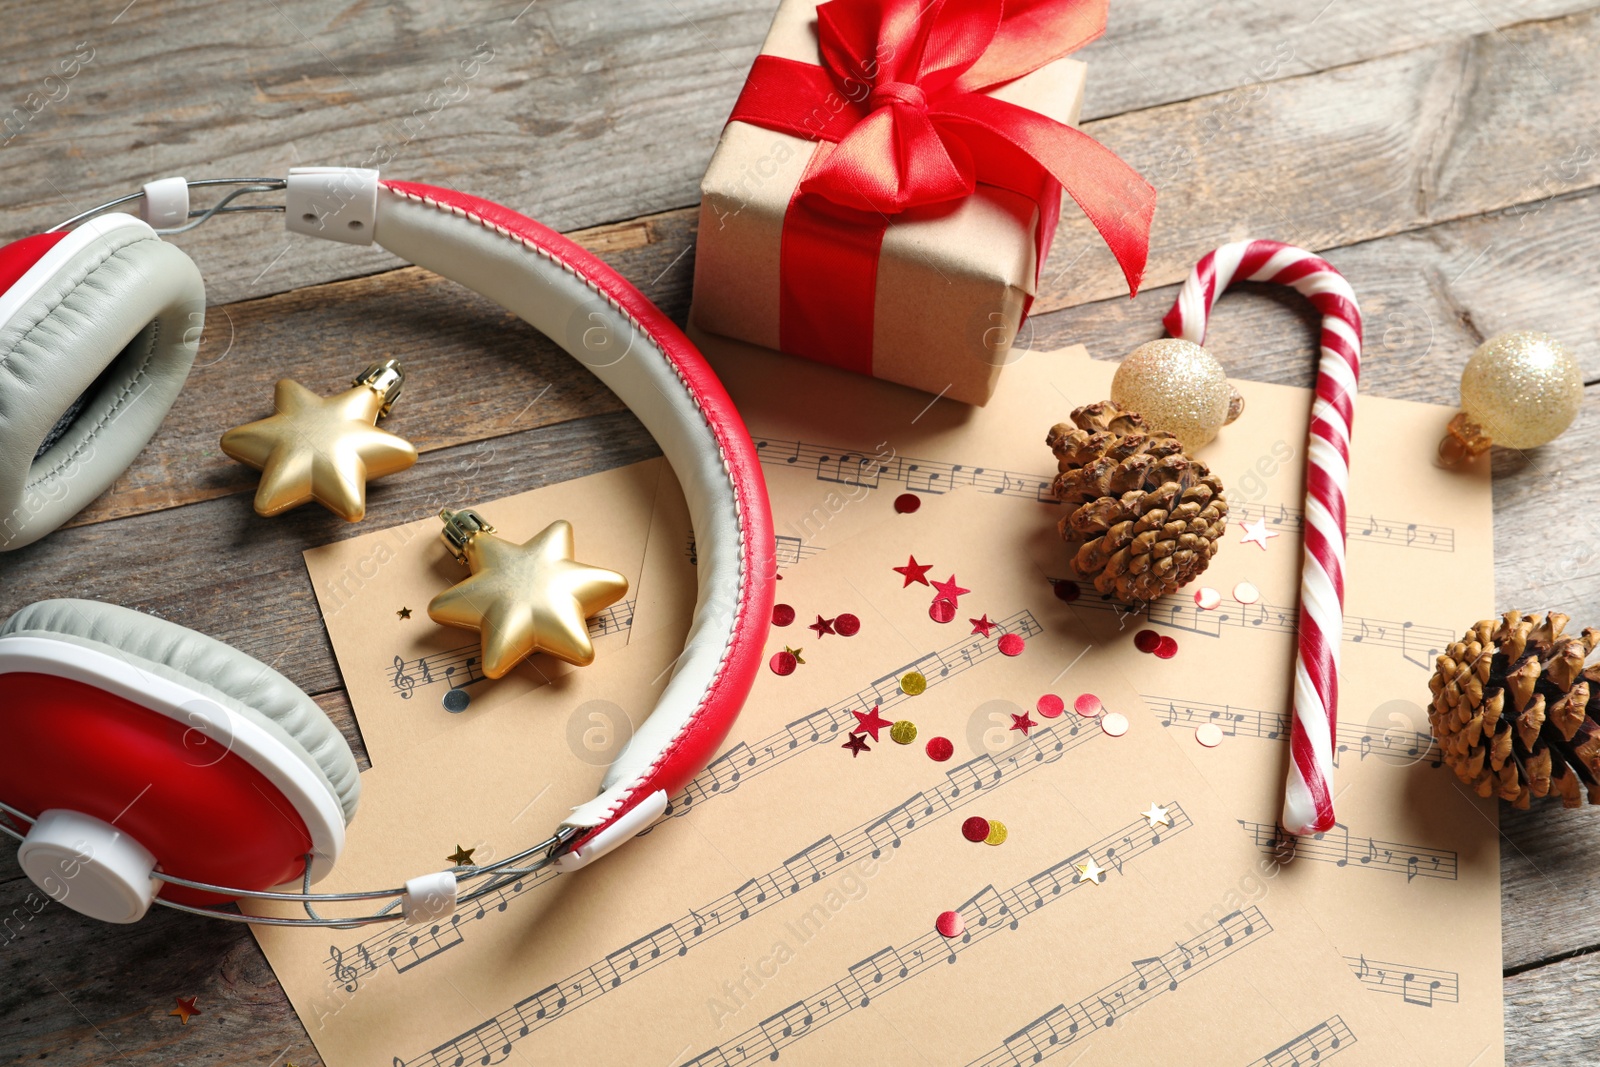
(938, 304)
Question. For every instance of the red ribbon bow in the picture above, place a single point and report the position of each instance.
(900, 94)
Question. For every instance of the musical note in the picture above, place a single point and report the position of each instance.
(867, 975)
(840, 465)
(1419, 986)
(1397, 746)
(1316, 1045)
(803, 865)
(459, 666)
(1152, 977)
(987, 913)
(1335, 847)
(803, 735)
(1269, 618)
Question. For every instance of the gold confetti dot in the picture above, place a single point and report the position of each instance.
(997, 833)
(912, 683)
(903, 732)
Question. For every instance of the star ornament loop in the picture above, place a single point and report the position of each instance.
(323, 448)
(522, 599)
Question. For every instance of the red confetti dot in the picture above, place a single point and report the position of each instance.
(906, 503)
(1146, 640)
(1087, 705)
(940, 749)
(1066, 590)
(782, 614)
(1050, 706)
(1167, 648)
(975, 829)
(950, 924)
(782, 663)
(846, 625)
(1012, 644)
(941, 610)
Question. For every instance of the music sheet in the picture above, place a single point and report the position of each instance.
(1408, 885)
(374, 592)
(785, 906)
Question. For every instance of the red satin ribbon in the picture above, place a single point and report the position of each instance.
(899, 99)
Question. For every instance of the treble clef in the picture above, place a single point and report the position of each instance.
(342, 971)
(403, 682)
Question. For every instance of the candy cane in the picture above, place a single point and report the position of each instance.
(1308, 792)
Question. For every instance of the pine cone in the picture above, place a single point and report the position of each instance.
(1513, 713)
(1142, 517)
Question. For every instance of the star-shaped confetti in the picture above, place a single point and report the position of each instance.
(870, 722)
(404, 613)
(857, 745)
(982, 626)
(1023, 723)
(1256, 531)
(1157, 816)
(949, 590)
(461, 857)
(185, 1009)
(795, 652)
(914, 571)
(822, 626)
(1090, 872)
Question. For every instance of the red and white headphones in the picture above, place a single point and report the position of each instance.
(141, 761)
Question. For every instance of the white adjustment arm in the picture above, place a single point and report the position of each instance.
(166, 203)
(429, 897)
(336, 203)
(632, 823)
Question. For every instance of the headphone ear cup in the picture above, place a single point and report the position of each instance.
(96, 338)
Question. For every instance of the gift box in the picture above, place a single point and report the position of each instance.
(885, 192)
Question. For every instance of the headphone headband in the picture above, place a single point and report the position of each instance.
(609, 326)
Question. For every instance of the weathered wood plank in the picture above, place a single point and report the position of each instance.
(1437, 133)
(473, 371)
(528, 105)
(218, 567)
(1429, 297)
(1383, 128)
(1550, 1014)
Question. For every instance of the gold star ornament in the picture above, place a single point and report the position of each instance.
(324, 448)
(525, 598)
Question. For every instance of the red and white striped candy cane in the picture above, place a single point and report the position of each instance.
(1308, 793)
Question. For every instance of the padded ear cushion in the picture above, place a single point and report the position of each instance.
(107, 321)
(214, 669)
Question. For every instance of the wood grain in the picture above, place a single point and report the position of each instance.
(1547, 1014)
(564, 95)
(1443, 153)
(474, 372)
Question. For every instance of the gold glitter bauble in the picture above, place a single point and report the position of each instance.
(1522, 388)
(1178, 387)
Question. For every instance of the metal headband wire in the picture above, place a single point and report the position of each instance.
(496, 875)
(225, 206)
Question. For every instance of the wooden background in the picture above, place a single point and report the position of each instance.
(1444, 153)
